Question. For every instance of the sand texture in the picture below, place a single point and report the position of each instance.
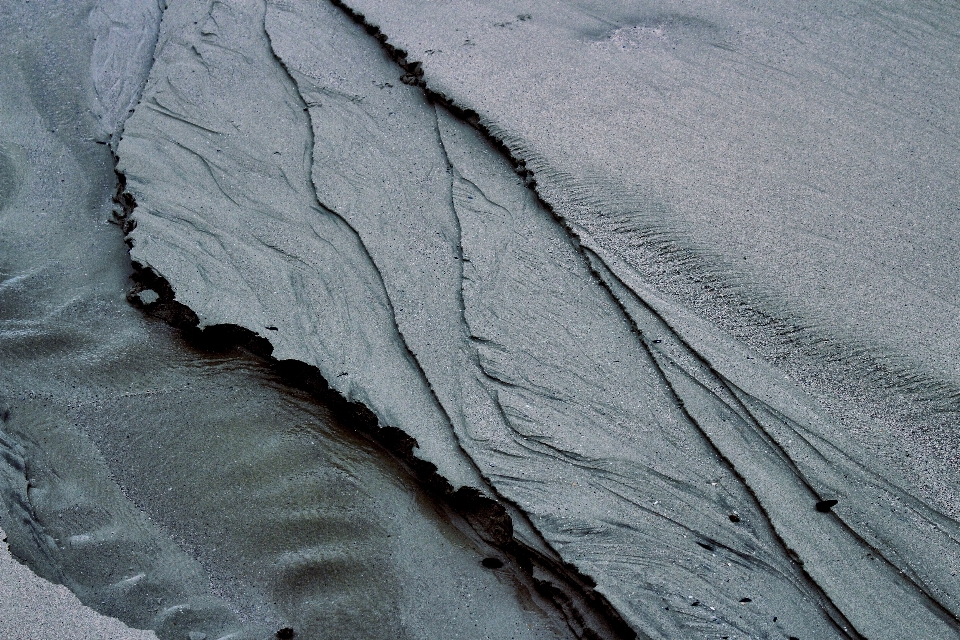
(483, 320)
(191, 492)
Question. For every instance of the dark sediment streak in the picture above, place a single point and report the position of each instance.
(572, 594)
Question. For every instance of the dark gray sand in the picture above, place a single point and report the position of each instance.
(31, 607)
(665, 297)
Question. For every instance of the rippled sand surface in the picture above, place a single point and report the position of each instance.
(421, 320)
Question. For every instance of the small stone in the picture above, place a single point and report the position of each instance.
(285, 634)
(734, 517)
(745, 600)
(825, 505)
(492, 563)
(148, 297)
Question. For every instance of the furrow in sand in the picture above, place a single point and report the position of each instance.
(354, 322)
(797, 436)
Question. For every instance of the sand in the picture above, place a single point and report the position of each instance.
(31, 607)
(194, 492)
(612, 321)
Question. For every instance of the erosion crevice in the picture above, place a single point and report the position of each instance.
(587, 613)
(488, 516)
(910, 392)
(414, 77)
(740, 401)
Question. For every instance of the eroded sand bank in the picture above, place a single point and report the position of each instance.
(191, 492)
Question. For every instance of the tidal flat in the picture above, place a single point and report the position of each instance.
(479, 320)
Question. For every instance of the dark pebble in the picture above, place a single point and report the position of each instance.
(285, 634)
(734, 517)
(745, 600)
(825, 505)
(492, 563)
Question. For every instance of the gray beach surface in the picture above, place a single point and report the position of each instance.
(31, 607)
(483, 320)
(789, 171)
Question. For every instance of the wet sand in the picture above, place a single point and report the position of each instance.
(424, 322)
(31, 607)
(191, 491)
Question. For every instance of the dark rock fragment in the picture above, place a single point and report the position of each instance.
(825, 505)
